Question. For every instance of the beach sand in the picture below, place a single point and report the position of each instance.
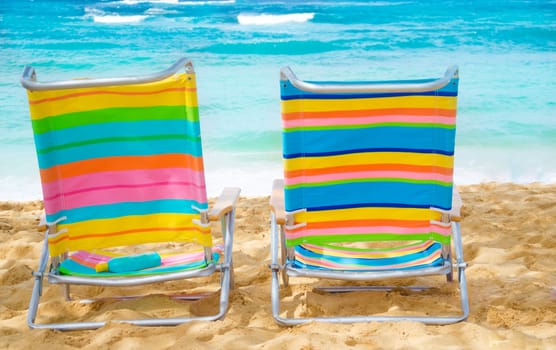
(509, 236)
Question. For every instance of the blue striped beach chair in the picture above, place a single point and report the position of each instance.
(121, 167)
(367, 191)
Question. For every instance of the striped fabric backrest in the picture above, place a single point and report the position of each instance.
(368, 166)
(121, 165)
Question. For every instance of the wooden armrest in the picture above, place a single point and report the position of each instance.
(457, 203)
(277, 201)
(225, 203)
(42, 222)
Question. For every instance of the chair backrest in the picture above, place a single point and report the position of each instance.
(368, 161)
(121, 164)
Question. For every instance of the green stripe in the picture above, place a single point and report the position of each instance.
(366, 126)
(339, 238)
(119, 139)
(123, 114)
(379, 179)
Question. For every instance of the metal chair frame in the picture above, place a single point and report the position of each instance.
(282, 257)
(223, 211)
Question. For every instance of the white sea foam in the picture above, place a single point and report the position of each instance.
(114, 19)
(153, 11)
(209, 2)
(177, 2)
(135, 2)
(100, 16)
(265, 19)
(361, 3)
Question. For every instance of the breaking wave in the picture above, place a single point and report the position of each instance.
(265, 19)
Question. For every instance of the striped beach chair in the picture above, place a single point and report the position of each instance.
(123, 182)
(367, 191)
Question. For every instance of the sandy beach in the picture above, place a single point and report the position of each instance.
(509, 236)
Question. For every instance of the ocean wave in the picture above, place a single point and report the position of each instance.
(99, 16)
(359, 3)
(208, 2)
(387, 3)
(135, 2)
(153, 11)
(116, 19)
(264, 19)
(177, 2)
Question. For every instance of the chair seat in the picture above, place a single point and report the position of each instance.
(328, 257)
(82, 263)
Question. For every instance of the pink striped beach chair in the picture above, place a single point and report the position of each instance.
(123, 185)
(367, 191)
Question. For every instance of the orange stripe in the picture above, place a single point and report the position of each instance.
(83, 262)
(107, 92)
(119, 233)
(376, 222)
(121, 164)
(370, 113)
(369, 167)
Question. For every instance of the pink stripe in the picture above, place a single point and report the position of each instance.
(372, 174)
(188, 258)
(445, 231)
(77, 184)
(370, 252)
(369, 120)
(182, 259)
(92, 259)
(137, 193)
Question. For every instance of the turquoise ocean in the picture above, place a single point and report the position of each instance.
(506, 52)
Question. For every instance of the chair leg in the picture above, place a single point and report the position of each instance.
(461, 265)
(283, 256)
(35, 299)
(38, 284)
(275, 268)
(227, 225)
(228, 273)
(450, 275)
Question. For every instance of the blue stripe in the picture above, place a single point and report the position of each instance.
(370, 262)
(367, 150)
(367, 205)
(305, 96)
(119, 129)
(116, 210)
(290, 92)
(115, 149)
(373, 193)
(387, 137)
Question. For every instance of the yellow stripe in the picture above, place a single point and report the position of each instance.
(410, 214)
(127, 223)
(56, 102)
(323, 105)
(88, 235)
(369, 158)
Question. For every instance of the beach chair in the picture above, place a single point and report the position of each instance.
(367, 193)
(124, 189)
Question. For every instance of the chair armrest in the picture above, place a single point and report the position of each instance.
(42, 226)
(457, 203)
(224, 203)
(277, 201)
